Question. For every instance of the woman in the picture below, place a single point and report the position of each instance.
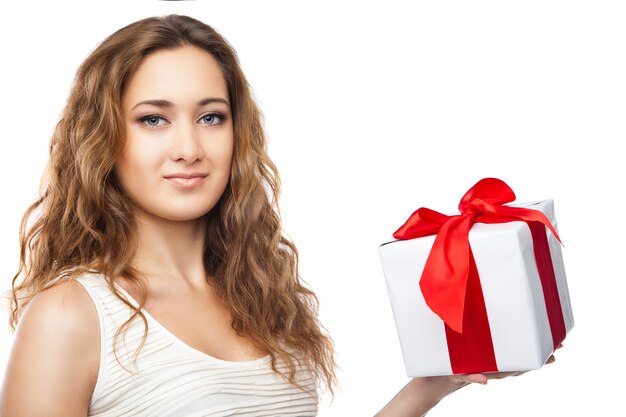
(154, 276)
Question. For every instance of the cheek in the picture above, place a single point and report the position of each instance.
(138, 166)
(221, 154)
(227, 156)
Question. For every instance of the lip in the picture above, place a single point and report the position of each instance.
(186, 180)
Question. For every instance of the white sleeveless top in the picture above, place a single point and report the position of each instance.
(176, 380)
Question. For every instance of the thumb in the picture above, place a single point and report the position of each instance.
(473, 378)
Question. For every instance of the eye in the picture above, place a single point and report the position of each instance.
(151, 120)
(213, 118)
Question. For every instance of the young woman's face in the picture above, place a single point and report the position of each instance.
(179, 146)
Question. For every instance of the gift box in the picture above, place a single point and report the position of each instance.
(481, 291)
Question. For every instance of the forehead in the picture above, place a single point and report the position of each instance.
(178, 75)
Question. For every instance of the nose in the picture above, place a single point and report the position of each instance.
(186, 144)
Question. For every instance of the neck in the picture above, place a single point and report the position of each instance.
(170, 252)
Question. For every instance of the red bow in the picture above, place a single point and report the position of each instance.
(444, 279)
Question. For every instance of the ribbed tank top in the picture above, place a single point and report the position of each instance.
(173, 379)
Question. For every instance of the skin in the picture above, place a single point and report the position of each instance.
(53, 365)
(57, 338)
(420, 395)
(184, 137)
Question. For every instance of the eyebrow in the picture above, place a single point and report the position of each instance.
(165, 103)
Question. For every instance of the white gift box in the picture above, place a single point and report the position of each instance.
(511, 287)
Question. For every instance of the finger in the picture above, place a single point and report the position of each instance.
(472, 378)
(502, 375)
(551, 359)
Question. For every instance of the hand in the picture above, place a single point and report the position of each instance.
(421, 394)
(466, 379)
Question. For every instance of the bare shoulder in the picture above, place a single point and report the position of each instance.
(64, 309)
(53, 365)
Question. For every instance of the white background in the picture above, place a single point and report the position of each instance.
(374, 109)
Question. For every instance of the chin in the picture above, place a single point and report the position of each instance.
(185, 215)
(178, 214)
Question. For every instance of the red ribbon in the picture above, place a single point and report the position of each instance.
(444, 281)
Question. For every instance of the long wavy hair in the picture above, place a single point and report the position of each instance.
(83, 220)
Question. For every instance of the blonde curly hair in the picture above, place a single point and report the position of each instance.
(83, 220)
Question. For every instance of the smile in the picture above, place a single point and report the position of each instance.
(186, 182)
